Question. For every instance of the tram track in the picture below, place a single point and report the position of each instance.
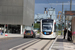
(24, 44)
(31, 44)
(16, 47)
(45, 45)
(40, 44)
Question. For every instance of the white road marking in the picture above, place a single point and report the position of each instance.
(38, 46)
(35, 44)
(53, 43)
(47, 47)
(22, 44)
(27, 45)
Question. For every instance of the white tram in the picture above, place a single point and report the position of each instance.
(47, 28)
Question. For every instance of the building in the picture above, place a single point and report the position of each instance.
(50, 14)
(38, 17)
(16, 15)
(70, 20)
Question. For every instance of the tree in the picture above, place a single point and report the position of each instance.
(59, 26)
(36, 26)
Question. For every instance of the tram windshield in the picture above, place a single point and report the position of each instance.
(47, 27)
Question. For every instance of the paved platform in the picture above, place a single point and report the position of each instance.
(63, 44)
(11, 35)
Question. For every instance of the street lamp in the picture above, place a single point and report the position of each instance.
(62, 20)
(51, 12)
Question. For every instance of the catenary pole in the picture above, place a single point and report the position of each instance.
(62, 21)
(70, 5)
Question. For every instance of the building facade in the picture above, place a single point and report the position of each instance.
(17, 12)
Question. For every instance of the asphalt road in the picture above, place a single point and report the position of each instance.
(7, 43)
(19, 43)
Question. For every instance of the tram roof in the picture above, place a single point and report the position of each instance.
(47, 19)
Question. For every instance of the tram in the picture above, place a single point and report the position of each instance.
(47, 28)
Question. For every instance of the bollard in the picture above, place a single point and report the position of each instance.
(6, 34)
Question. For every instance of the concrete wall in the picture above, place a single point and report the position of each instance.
(11, 11)
(28, 12)
(73, 29)
(19, 12)
(73, 25)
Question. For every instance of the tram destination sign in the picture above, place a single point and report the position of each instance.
(71, 13)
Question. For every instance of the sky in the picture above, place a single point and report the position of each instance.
(50, 1)
(57, 4)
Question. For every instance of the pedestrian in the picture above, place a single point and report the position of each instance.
(1, 32)
(65, 31)
(69, 36)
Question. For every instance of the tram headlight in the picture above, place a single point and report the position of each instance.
(51, 32)
(41, 32)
